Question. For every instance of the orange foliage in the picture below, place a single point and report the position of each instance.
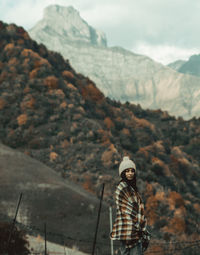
(108, 122)
(22, 119)
(175, 199)
(126, 131)
(155, 160)
(53, 156)
(33, 73)
(20, 41)
(158, 162)
(175, 165)
(51, 82)
(2, 103)
(9, 46)
(80, 109)
(177, 151)
(156, 249)
(108, 155)
(159, 146)
(106, 158)
(92, 93)
(180, 212)
(113, 148)
(184, 162)
(65, 144)
(28, 102)
(3, 76)
(176, 226)
(63, 105)
(26, 62)
(77, 117)
(12, 69)
(160, 196)
(71, 86)
(144, 123)
(144, 151)
(67, 74)
(41, 61)
(30, 53)
(197, 207)
(13, 61)
(38, 61)
(104, 136)
(149, 189)
(59, 92)
(151, 207)
(87, 185)
(25, 35)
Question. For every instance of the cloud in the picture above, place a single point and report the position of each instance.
(164, 54)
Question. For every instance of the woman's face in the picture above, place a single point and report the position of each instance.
(129, 173)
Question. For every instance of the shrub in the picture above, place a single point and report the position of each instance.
(18, 243)
(22, 119)
(2, 103)
(51, 82)
(108, 122)
(90, 92)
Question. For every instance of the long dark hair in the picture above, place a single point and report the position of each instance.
(131, 183)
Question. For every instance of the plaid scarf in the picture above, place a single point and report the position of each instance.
(130, 223)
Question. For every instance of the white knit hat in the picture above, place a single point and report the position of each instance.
(125, 164)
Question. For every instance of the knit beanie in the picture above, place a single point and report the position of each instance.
(125, 164)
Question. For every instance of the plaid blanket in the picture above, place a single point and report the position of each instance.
(130, 223)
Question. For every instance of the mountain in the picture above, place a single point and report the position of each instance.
(177, 64)
(59, 117)
(192, 66)
(73, 28)
(118, 73)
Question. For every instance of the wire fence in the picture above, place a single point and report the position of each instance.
(155, 247)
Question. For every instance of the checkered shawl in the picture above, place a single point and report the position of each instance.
(130, 219)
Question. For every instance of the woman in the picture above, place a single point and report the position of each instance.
(130, 223)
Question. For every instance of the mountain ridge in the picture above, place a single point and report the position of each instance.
(126, 76)
(192, 66)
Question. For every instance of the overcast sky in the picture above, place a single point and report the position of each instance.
(165, 30)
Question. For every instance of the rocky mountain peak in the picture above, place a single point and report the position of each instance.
(73, 27)
(119, 74)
